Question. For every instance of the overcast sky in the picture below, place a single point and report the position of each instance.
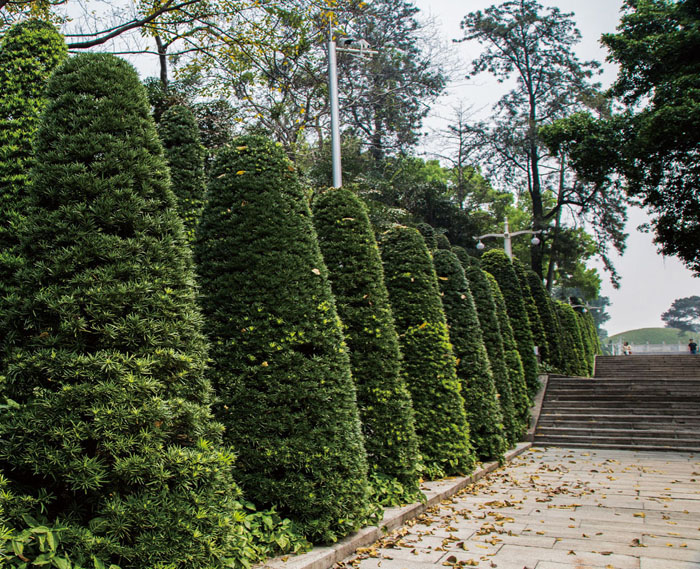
(650, 282)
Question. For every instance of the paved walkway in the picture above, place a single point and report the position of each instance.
(559, 509)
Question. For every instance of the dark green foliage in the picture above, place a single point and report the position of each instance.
(185, 155)
(280, 366)
(545, 310)
(571, 341)
(110, 433)
(533, 315)
(28, 54)
(443, 242)
(499, 265)
(429, 363)
(473, 368)
(516, 372)
(684, 314)
(428, 233)
(491, 333)
(355, 268)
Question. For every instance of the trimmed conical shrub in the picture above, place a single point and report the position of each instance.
(110, 433)
(499, 265)
(351, 254)
(184, 152)
(533, 316)
(443, 242)
(279, 363)
(428, 233)
(473, 368)
(429, 363)
(29, 52)
(491, 333)
(573, 345)
(548, 317)
(516, 373)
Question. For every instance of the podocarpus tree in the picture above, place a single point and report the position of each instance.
(351, 254)
(491, 333)
(533, 316)
(473, 368)
(499, 265)
(279, 363)
(443, 242)
(429, 363)
(545, 309)
(428, 233)
(571, 340)
(110, 433)
(516, 373)
(185, 155)
(28, 54)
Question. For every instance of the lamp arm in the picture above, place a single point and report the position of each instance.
(501, 235)
(524, 231)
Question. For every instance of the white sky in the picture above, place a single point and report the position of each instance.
(650, 282)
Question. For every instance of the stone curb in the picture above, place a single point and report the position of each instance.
(536, 408)
(435, 492)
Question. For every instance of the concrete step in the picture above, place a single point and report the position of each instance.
(619, 417)
(616, 446)
(619, 432)
(667, 442)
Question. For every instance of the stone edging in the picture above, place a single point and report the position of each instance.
(536, 408)
(435, 492)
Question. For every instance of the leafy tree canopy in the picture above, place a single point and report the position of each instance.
(684, 314)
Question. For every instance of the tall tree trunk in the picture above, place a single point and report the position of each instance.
(536, 251)
(163, 60)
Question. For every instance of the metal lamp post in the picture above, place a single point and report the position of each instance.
(356, 47)
(507, 235)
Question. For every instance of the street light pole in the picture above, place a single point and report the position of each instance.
(359, 48)
(335, 112)
(507, 235)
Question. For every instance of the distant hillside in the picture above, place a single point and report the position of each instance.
(653, 336)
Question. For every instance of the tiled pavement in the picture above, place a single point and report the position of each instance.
(559, 509)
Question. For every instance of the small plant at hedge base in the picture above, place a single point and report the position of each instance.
(279, 362)
(351, 254)
(473, 368)
(428, 362)
(388, 492)
(499, 265)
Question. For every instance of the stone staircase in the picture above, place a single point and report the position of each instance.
(634, 402)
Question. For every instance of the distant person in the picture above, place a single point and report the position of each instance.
(692, 347)
(627, 349)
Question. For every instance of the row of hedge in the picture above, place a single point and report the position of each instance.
(336, 375)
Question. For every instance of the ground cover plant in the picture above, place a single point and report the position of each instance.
(429, 363)
(493, 341)
(279, 363)
(473, 367)
(499, 265)
(351, 254)
(110, 435)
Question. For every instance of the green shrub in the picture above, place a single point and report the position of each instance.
(499, 265)
(491, 333)
(443, 242)
(185, 155)
(110, 433)
(429, 363)
(572, 343)
(533, 315)
(351, 254)
(279, 363)
(516, 373)
(428, 233)
(545, 309)
(473, 368)
(28, 54)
